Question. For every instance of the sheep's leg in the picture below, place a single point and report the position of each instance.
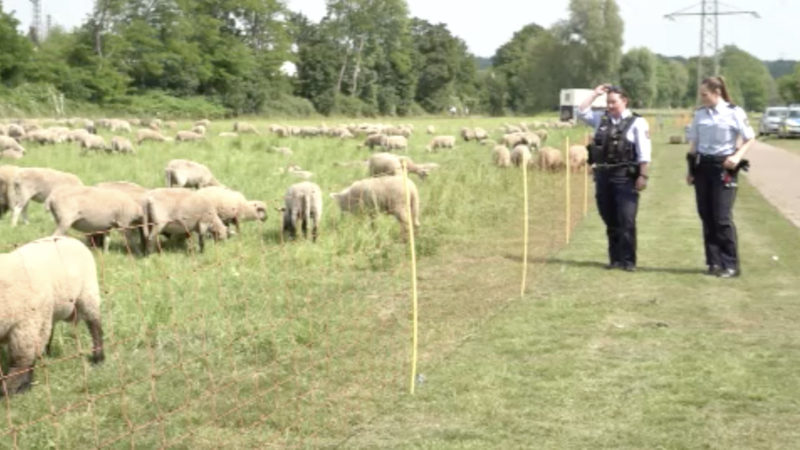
(304, 227)
(201, 241)
(48, 347)
(96, 331)
(314, 230)
(23, 357)
(20, 208)
(106, 241)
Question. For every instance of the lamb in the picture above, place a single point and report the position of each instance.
(381, 194)
(179, 211)
(92, 142)
(185, 173)
(35, 183)
(244, 127)
(146, 134)
(441, 142)
(389, 164)
(303, 204)
(577, 157)
(550, 159)
(95, 211)
(45, 281)
(395, 143)
(501, 156)
(232, 206)
(121, 145)
(521, 156)
(7, 143)
(185, 136)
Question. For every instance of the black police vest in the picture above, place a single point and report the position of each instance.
(610, 141)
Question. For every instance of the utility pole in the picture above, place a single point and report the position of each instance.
(709, 32)
(36, 23)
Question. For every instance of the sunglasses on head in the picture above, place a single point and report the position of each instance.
(614, 89)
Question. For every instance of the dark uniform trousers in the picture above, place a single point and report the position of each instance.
(715, 190)
(618, 202)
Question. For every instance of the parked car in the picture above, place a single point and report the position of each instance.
(771, 120)
(790, 125)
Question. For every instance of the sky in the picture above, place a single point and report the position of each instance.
(485, 25)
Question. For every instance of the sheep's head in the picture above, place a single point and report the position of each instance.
(260, 209)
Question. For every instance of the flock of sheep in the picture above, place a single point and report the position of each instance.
(54, 278)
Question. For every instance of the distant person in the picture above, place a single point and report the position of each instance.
(453, 110)
(620, 155)
(714, 161)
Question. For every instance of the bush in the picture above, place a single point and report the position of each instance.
(284, 105)
(159, 104)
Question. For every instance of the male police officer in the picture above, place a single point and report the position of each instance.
(620, 157)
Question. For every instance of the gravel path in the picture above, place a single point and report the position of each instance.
(775, 172)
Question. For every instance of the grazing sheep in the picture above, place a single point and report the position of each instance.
(467, 134)
(480, 134)
(303, 204)
(7, 173)
(373, 140)
(501, 156)
(171, 124)
(577, 157)
(146, 134)
(185, 173)
(542, 135)
(45, 281)
(233, 207)
(35, 183)
(15, 131)
(245, 127)
(7, 143)
(521, 156)
(117, 125)
(11, 154)
(199, 129)
(95, 211)
(531, 140)
(228, 134)
(121, 145)
(179, 212)
(550, 159)
(441, 142)
(186, 136)
(92, 142)
(395, 143)
(511, 140)
(203, 122)
(390, 164)
(381, 194)
(431, 129)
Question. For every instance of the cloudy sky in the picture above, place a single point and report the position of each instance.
(487, 24)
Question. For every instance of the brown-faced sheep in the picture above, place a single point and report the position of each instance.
(233, 207)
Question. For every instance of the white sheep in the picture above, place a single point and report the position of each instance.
(441, 142)
(121, 145)
(501, 156)
(550, 159)
(7, 143)
(179, 212)
(35, 183)
(92, 142)
(7, 173)
(577, 157)
(390, 164)
(233, 207)
(430, 129)
(145, 134)
(521, 156)
(381, 194)
(186, 136)
(395, 143)
(244, 127)
(228, 134)
(45, 281)
(186, 173)
(95, 211)
(303, 206)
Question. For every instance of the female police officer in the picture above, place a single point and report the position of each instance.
(620, 154)
(714, 161)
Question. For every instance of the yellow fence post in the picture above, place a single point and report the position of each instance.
(586, 179)
(414, 309)
(567, 199)
(525, 213)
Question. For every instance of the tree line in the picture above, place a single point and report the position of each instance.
(363, 58)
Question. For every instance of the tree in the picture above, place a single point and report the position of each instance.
(508, 62)
(637, 75)
(789, 86)
(594, 33)
(16, 51)
(672, 80)
(748, 79)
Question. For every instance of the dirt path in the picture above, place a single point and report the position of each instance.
(775, 173)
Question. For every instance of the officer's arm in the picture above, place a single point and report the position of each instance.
(585, 112)
(745, 131)
(645, 146)
(691, 135)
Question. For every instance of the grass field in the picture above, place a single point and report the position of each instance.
(792, 145)
(259, 343)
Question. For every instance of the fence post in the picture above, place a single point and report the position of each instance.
(414, 305)
(586, 179)
(525, 225)
(567, 199)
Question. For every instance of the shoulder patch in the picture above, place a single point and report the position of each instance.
(647, 133)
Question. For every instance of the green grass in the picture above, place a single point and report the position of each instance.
(792, 145)
(258, 342)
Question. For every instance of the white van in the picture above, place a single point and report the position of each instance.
(571, 99)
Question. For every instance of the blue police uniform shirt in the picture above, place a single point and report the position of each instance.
(638, 134)
(715, 130)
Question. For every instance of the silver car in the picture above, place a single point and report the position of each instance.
(771, 120)
(790, 126)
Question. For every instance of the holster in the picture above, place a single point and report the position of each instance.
(594, 153)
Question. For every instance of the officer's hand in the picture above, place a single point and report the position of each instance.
(731, 162)
(641, 183)
(601, 89)
(689, 180)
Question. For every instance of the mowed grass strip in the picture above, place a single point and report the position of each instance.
(789, 144)
(259, 342)
(662, 358)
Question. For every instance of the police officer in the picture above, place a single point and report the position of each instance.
(620, 157)
(714, 161)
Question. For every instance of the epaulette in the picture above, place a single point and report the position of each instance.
(699, 108)
(731, 105)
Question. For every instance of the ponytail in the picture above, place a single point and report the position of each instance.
(717, 84)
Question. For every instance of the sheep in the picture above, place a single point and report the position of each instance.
(77, 135)
(285, 151)
(178, 212)
(431, 129)
(7, 143)
(199, 129)
(95, 211)
(7, 173)
(373, 140)
(233, 207)
(244, 127)
(467, 134)
(203, 122)
(501, 156)
(186, 173)
(550, 159)
(441, 142)
(521, 155)
(15, 131)
(542, 135)
(480, 134)
(35, 183)
(121, 145)
(389, 164)
(185, 136)
(171, 124)
(11, 154)
(145, 134)
(228, 134)
(381, 194)
(45, 281)
(395, 143)
(303, 204)
(511, 140)
(531, 140)
(116, 125)
(577, 157)
(92, 142)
